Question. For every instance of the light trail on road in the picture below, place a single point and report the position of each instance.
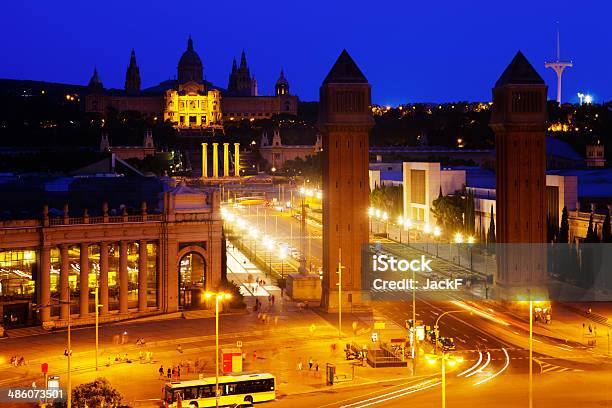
(480, 357)
(481, 368)
(392, 395)
(499, 372)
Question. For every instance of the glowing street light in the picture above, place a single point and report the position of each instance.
(219, 296)
(437, 232)
(446, 359)
(588, 99)
(427, 229)
(458, 238)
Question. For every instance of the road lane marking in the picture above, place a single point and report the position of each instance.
(481, 368)
(378, 401)
(474, 366)
(412, 387)
(499, 372)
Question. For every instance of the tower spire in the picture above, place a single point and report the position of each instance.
(558, 65)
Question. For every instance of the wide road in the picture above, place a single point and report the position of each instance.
(493, 344)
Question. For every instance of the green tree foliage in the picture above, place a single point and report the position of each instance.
(448, 210)
(491, 234)
(563, 235)
(387, 198)
(470, 214)
(96, 394)
(310, 168)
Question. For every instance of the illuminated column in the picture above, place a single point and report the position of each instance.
(84, 280)
(142, 276)
(236, 159)
(123, 277)
(64, 284)
(204, 160)
(45, 284)
(215, 160)
(103, 288)
(225, 159)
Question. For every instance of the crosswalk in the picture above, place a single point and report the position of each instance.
(553, 368)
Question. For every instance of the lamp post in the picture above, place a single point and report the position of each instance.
(370, 215)
(96, 297)
(436, 327)
(458, 240)
(437, 232)
(445, 359)
(400, 223)
(218, 296)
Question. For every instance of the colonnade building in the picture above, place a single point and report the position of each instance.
(141, 261)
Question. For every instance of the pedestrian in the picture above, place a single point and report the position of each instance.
(299, 365)
(178, 372)
(169, 373)
(273, 299)
(316, 366)
(174, 373)
(310, 363)
(254, 355)
(179, 348)
(161, 372)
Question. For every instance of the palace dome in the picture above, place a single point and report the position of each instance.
(190, 65)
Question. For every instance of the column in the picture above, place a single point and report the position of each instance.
(64, 285)
(45, 284)
(103, 283)
(123, 277)
(204, 160)
(215, 160)
(236, 159)
(225, 159)
(84, 280)
(142, 276)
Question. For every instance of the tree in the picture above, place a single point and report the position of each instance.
(469, 214)
(96, 394)
(387, 198)
(606, 230)
(448, 211)
(563, 235)
(491, 234)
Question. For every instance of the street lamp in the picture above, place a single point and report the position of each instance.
(459, 240)
(400, 222)
(436, 327)
(445, 359)
(282, 255)
(218, 296)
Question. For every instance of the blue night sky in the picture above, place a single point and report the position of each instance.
(411, 51)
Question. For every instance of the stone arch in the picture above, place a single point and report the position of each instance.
(194, 259)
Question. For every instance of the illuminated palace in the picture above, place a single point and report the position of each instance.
(144, 257)
(190, 101)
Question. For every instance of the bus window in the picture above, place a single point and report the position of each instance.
(207, 391)
(190, 393)
(168, 395)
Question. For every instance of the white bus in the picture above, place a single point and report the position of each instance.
(232, 389)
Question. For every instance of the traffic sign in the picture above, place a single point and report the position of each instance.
(379, 325)
(374, 337)
(44, 368)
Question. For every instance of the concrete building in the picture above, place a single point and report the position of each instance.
(276, 154)
(158, 258)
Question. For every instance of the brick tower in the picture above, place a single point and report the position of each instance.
(345, 119)
(519, 122)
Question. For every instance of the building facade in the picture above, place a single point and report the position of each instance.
(190, 101)
(276, 154)
(141, 264)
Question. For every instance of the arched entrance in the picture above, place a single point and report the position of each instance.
(192, 279)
